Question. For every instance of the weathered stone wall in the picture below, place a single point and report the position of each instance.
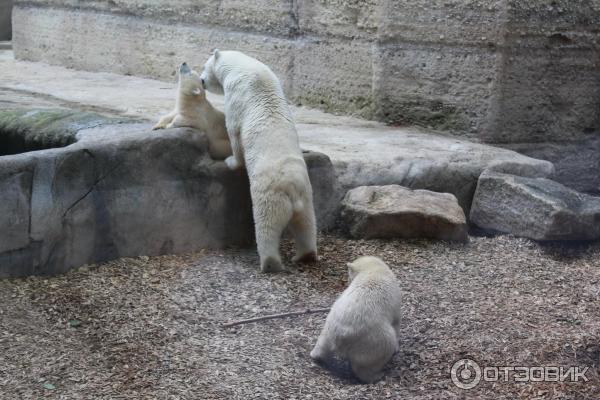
(506, 72)
(5, 19)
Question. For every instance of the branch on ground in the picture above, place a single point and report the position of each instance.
(274, 316)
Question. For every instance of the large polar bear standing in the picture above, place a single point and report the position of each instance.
(363, 323)
(194, 110)
(264, 140)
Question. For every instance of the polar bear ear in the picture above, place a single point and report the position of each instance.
(351, 272)
(216, 53)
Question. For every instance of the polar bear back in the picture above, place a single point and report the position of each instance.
(369, 306)
(373, 297)
(257, 108)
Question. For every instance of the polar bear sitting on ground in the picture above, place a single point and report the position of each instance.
(363, 323)
(193, 110)
(264, 140)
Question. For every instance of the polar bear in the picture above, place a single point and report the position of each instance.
(192, 109)
(363, 323)
(264, 140)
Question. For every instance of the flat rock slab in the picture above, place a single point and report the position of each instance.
(535, 208)
(394, 211)
(125, 190)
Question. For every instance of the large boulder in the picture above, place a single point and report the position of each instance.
(120, 190)
(123, 190)
(394, 211)
(535, 208)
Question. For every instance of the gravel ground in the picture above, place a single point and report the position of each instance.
(150, 328)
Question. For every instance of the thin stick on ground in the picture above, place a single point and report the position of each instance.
(274, 316)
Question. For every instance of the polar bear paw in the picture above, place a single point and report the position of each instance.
(306, 258)
(232, 163)
(271, 264)
(316, 355)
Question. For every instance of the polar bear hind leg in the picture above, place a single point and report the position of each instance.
(322, 352)
(304, 230)
(272, 213)
(368, 360)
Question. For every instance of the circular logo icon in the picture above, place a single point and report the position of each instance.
(465, 374)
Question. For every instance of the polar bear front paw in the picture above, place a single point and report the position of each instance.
(232, 163)
(306, 258)
(271, 264)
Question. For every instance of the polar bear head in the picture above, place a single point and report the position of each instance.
(208, 75)
(190, 83)
(366, 264)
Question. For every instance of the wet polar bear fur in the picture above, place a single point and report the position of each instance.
(193, 110)
(363, 323)
(264, 140)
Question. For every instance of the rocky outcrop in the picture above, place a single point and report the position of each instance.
(363, 153)
(535, 208)
(414, 158)
(124, 190)
(397, 212)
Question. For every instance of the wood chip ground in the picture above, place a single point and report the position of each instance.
(150, 327)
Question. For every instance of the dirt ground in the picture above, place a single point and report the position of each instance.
(151, 328)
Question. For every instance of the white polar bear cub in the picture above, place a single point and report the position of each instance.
(363, 323)
(193, 110)
(264, 140)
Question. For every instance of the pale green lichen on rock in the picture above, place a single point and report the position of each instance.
(423, 112)
(415, 111)
(24, 130)
(359, 106)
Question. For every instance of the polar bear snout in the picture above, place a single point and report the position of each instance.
(184, 69)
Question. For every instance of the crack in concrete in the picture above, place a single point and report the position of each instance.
(91, 189)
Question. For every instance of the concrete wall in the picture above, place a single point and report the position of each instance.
(507, 72)
(5, 19)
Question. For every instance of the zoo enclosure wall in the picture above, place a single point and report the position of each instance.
(504, 72)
